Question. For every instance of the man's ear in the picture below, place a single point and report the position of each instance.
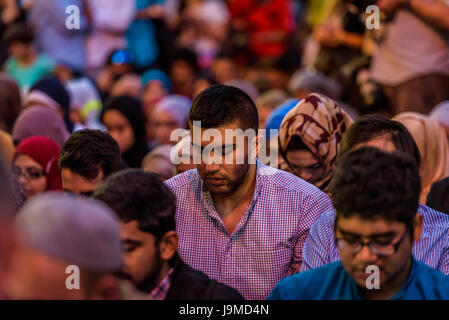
(417, 225)
(168, 245)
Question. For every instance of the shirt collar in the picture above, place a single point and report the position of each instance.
(160, 291)
(208, 202)
(398, 296)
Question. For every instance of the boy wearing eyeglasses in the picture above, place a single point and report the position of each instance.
(375, 195)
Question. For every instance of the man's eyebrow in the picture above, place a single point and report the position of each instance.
(374, 235)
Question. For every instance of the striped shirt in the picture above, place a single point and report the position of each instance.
(432, 249)
(267, 242)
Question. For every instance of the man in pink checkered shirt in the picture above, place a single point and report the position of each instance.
(241, 223)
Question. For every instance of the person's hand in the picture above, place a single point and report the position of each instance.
(390, 6)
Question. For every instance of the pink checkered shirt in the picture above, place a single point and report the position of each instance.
(160, 291)
(267, 242)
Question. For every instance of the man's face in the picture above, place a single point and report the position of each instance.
(142, 261)
(381, 232)
(75, 183)
(226, 177)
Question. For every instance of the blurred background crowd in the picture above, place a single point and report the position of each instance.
(133, 67)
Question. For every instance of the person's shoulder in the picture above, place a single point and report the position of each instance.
(286, 182)
(433, 218)
(305, 285)
(10, 64)
(212, 289)
(443, 183)
(45, 61)
(433, 279)
(183, 180)
(424, 271)
(201, 287)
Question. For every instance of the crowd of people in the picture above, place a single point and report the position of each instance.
(102, 169)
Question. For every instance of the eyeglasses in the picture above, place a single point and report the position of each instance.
(378, 248)
(28, 174)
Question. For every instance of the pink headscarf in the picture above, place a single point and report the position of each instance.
(40, 121)
(44, 151)
(433, 146)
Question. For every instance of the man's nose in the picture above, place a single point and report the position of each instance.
(212, 159)
(366, 255)
(212, 168)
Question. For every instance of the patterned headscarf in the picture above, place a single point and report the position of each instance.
(320, 123)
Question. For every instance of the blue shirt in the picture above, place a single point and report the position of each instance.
(274, 120)
(332, 282)
(141, 36)
(432, 249)
(26, 77)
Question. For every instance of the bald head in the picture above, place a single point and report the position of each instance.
(56, 231)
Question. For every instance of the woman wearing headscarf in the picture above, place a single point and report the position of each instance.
(40, 121)
(85, 104)
(10, 103)
(50, 92)
(433, 146)
(156, 85)
(35, 166)
(169, 114)
(309, 139)
(124, 120)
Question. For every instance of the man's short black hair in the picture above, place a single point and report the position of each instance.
(220, 105)
(87, 151)
(18, 32)
(374, 184)
(138, 195)
(372, 126)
